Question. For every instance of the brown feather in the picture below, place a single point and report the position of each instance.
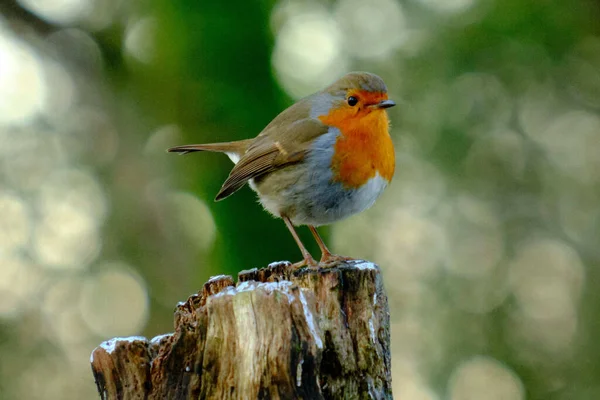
(250, 166)
(278, 145)
(239, 147)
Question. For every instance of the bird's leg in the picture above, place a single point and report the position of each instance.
(308, 259)
(327, 257)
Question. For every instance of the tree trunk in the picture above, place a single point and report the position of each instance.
(279, 333)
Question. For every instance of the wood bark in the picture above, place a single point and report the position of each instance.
(279, 333)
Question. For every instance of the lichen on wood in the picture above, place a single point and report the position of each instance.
(279, 333)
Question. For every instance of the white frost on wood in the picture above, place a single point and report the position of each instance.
(372, 330)
(299, 373)
(228, 291)
(310, 321)
(244, 287)
(251, 271)
(218, 277)
(157, 339)
(281, 286)
(276, 263)
(362, 265)
(110, 345)
(270, 287)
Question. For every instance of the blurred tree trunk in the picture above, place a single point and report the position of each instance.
(280, 333)
(227, 92)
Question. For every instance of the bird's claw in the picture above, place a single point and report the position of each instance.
(330, 260)
(306, 262)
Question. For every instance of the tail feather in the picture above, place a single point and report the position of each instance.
(239, 147)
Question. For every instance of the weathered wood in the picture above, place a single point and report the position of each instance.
(279, 333)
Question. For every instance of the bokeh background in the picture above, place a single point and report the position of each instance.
(488, 238)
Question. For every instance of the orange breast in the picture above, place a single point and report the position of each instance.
(363, 149)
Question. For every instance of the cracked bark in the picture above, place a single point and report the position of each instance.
(278, 334)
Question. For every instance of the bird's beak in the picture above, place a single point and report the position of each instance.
(385, 104)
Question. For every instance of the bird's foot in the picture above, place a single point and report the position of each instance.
(308, 261)
(329, 260)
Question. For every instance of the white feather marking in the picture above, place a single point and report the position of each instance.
(233, 157)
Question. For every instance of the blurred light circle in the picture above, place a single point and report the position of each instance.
(161, 139)
(485, 378)
(72, 206)
(571, 141)
(476, 243)
(88, 134)
(193, 217)
(479, 294)
(28, 156)
(307, 55)
(114, 301)
(424, 118)
(499, 152)
(575, 207)
(14, 224)
(371, 28)
(418, 185)
(140, 37)
(480, 103)
(546, 278)
(105, 12)
(22, 85)
(61, 91)
(535, 337)
(415, 341)
(78, 49)
(583, 71)
(74, 188)
(477, 212)
(358, 235)
(286, 9)
(408, 384)
(537, 107)
(66, 239)
(60, 11)
(414, 244)
(61, 312)
(475, 252)
(50, 376)
(19, 279)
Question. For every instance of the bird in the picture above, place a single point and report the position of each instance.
(326, 157)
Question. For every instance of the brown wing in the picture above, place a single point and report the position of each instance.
(274, 148)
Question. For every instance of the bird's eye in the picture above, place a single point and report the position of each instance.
(352, 101)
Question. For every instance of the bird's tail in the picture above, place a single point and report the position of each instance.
(232, 149)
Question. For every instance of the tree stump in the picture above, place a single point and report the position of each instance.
(279, 333)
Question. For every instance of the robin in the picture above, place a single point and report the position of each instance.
(324, 158)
